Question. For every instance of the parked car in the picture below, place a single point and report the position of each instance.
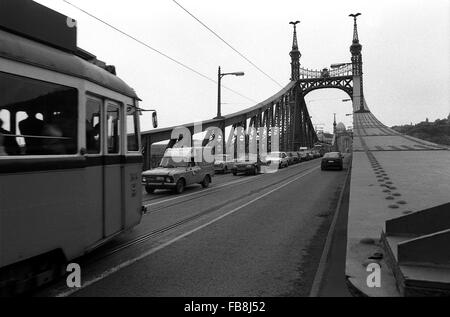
(177, 170)
(315, 154)
(281, 158)
(248, 164)
(293, 158)
(332, 160)
(304, 154)
(223, 163)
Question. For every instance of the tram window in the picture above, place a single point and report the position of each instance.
(113, 125)
(93, 127)
(42, 117)
(132, 132)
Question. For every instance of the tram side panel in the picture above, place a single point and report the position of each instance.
(46, 211)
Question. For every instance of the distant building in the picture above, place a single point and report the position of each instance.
(324, 137)
(343, 138)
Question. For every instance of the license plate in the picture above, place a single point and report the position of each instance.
(159, 178)
(330, 161)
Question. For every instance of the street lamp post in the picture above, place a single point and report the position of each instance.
(219, 80)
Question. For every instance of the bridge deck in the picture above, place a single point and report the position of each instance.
(392, 175)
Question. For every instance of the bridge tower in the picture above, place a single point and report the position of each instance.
(357, 64)
(295, 55)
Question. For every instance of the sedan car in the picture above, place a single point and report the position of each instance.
(316, 154)
(248, 164)
(177, 172)
(332, 160)
(223, 163)
(293, 158)
(279, 158)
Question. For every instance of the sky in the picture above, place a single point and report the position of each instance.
(406, 53)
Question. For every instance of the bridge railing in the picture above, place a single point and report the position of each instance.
(344, 70)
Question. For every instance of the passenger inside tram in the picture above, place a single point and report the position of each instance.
(92, 137)
(38, 118)
(8, 142)
(30, 128)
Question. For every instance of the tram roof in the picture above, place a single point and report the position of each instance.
(17, 48)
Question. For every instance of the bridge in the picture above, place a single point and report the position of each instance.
(392, 222)
(286, 111)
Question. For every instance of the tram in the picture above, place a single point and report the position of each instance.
(70, 160)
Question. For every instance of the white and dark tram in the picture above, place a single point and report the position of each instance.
(70, 160)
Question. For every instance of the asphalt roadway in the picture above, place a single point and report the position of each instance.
(244, 236)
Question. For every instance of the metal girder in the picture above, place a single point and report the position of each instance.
(344, 83)
(286, 110)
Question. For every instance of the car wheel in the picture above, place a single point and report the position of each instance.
(149, 190)
(234, 173)
(206, 182)
(179, 188)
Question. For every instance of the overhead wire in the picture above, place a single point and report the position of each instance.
(228, 44)
(157, 51)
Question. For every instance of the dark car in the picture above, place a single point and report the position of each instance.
(248, 164)
(332, 160)
(293, 158)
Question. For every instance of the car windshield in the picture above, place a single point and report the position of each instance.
(171, 162)
(332, 155)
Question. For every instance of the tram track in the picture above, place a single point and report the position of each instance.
(201, 194)
(95, 261)
(154, 233)
(149, 202)
(100, 274)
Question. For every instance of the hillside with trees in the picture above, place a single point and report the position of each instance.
(436, 132)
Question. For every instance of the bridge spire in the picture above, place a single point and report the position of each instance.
(355, 49)
(295, 55)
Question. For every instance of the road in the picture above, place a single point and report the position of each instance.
(244, 236)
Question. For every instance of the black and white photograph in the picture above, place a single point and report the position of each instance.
(222, 157)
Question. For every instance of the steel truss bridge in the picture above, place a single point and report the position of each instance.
(285, 114)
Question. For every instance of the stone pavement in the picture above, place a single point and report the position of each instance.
(393, 175)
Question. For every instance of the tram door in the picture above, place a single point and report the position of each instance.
(112, 170)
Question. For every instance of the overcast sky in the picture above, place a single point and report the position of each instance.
(406, 53)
